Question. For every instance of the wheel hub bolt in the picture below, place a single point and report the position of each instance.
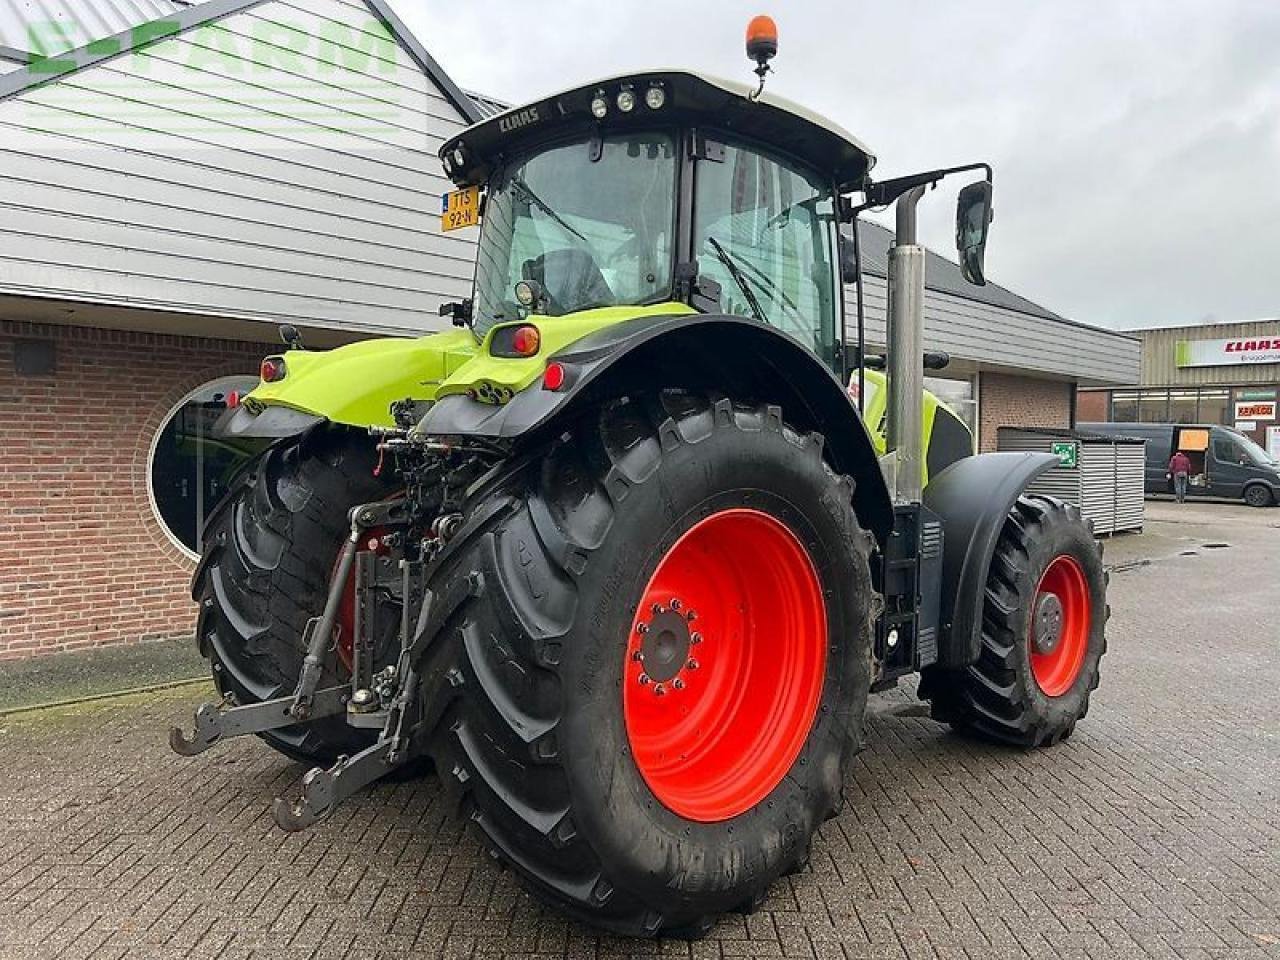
(659, 691)
(676, 604)
(638, 656)
(642, 628)
(678, 683)
(691, 616)
(696, 639)
(644, 680)
(692, 664)
(659, 609)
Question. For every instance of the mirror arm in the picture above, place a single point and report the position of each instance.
(887, 191)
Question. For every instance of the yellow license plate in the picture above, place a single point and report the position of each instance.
(460, 209)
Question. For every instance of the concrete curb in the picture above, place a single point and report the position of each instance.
(54, 704)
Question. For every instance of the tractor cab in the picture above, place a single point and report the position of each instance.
(658, 188)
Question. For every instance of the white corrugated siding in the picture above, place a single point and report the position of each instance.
(1106, 483)
(971, 330)
(1130, 486)
(1060, 482)
(49, 27)
(279, 164)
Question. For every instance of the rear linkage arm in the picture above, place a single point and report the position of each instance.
(214, 723)
(390, 701)
(323, 790)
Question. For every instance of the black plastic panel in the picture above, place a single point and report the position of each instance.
(973, 497)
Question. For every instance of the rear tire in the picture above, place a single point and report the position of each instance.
(1259, 496)
(528, 677)
(269, 555)
(1029, 690)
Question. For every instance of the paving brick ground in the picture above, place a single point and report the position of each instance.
(1154, 832)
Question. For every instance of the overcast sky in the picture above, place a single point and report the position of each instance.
(1136, 144)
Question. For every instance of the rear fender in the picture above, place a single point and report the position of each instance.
(728, 355)
(973, 497)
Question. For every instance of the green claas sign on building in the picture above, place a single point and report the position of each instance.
(1067, 452)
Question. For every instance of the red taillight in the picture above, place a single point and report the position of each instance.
(233, 400)
(272, 370)
(555, 377)
(526, 341)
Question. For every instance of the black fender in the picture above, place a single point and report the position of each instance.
(729, 355)
(272, 423)
(973, 497)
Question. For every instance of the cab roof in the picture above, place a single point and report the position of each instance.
(691, 99)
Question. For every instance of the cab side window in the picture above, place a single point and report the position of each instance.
(764, 229)
(1224, 451)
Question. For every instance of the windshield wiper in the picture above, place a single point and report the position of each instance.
(739, 278)
(767, 282)
(529, 196)
(783, 217)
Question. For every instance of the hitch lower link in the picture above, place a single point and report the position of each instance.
(370, 701)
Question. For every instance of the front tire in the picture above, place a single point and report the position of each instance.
(637, 811)
(1259, 496)
(1043, 632)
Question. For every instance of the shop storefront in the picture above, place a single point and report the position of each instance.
(1228, 375)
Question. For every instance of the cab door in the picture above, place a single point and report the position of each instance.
(764, 229)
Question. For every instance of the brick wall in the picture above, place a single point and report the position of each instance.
(83, 561)
(1091, 406)
(1011, 401)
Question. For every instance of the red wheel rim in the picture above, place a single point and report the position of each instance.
(725, 665)
(1061, 616)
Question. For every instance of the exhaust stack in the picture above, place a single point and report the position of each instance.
(904, 434)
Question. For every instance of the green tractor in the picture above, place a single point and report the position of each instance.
(621, 556)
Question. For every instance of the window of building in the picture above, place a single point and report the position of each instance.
(959, 395)
(1153, 406)
(1205, 405)
(191, 469)
(1183, 406)
(1124, 407)
(1215, 407)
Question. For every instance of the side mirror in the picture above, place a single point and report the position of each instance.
(848, 259)
(973, 223)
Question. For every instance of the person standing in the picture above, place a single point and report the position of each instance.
(1180, 470)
